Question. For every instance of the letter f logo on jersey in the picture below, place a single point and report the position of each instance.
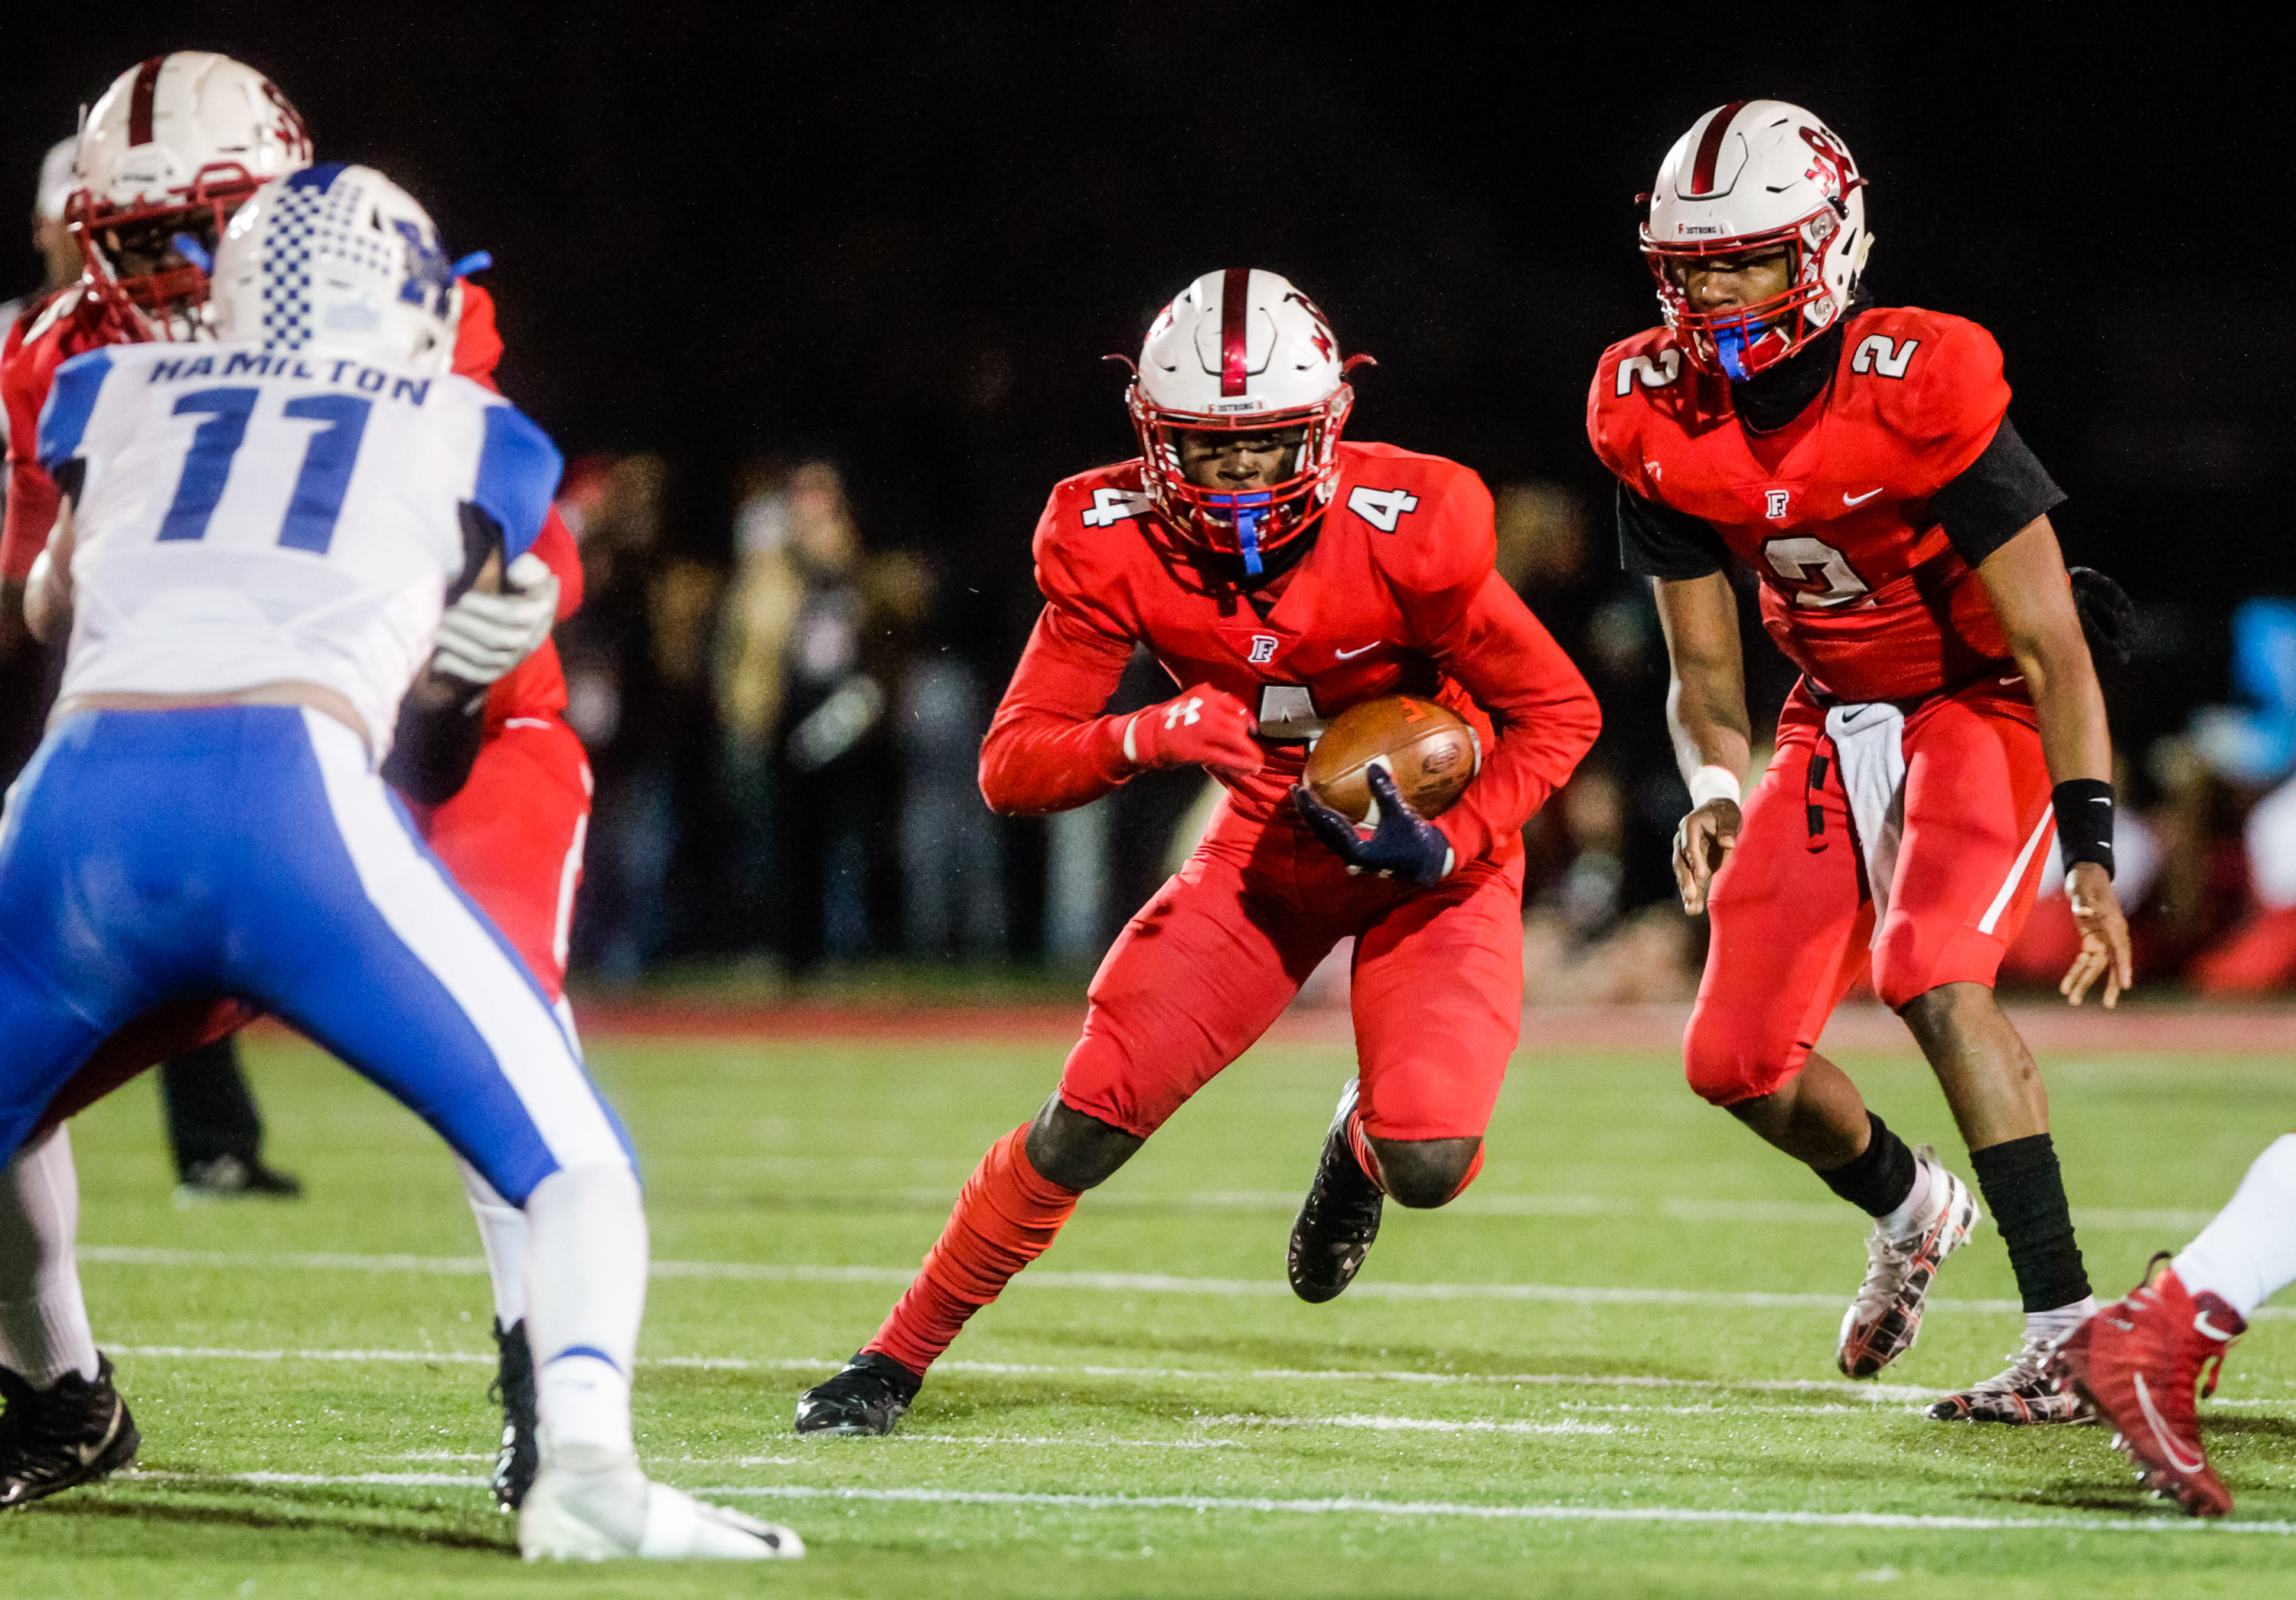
(1191, 713)
(1263, 649)
(1777, 506)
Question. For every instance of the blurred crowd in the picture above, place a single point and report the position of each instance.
(784, 740)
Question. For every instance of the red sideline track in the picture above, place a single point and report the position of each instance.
(2051, 1028)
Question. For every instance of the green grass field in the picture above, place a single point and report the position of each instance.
(1149, 1412)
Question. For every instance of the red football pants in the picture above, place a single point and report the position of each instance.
(1794, 922)
(511, 837)
(1212, 960)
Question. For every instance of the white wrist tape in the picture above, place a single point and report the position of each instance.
(1711, 783)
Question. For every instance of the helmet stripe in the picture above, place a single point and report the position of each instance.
(1235, 301)
(139, 101)
(1709, 147)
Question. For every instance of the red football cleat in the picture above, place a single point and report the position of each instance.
(2141, 1362)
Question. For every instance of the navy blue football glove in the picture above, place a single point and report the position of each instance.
(1403, 845)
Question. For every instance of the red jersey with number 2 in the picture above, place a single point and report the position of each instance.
(1860, 588)
(1397, 595)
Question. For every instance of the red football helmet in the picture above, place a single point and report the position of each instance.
(1241, 352)
(172, 148)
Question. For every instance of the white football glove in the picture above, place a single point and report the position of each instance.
(482, 636)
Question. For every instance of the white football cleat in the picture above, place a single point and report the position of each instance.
(587, 1505)
(1884, 1320)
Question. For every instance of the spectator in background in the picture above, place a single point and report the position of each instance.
(636, 685)
(813, 640)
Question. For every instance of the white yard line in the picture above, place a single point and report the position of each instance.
(1112, 1283)
(1352, 1506)
(1870, 1393)
(1408, 1425)
(1348, 1505)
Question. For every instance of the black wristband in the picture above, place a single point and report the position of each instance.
(2083, 809)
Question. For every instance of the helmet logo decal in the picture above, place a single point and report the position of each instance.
(1710, 148)
(1235, 306)
(427, 264)
(139, 101)
(1830, 165)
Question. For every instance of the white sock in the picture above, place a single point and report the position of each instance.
(2248, 1252)
(2049, 1326)
(501, 1235)
(43, 1332)
(1916, 1211)
(585, 1293)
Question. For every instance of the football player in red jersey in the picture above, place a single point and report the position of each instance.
(1281, 576)
(499, 783)
(1860, 460)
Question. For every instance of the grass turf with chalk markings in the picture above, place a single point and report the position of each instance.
(1607, 1371)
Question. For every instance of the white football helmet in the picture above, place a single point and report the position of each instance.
(173, 148)
(58, 178)
(1241, 352)
(337, 258)
(1748, 177)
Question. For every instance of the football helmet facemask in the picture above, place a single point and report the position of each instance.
(1244, 353)
(1751, 179)
(173, 148)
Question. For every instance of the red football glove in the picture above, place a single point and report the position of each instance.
(1201, 725)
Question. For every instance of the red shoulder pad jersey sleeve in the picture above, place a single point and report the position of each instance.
(1049, 748)
(536, 685)
(32, 495)
(1612, 421)
(1478, 630)
(1954, 394)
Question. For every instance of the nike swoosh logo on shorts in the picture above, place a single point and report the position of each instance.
(1349, 656)
(1849, 499)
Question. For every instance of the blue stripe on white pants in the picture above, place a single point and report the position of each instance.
(249, 850)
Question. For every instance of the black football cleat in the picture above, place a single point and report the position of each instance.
(520, 1456)
(235, 1177)
(868, 1396)
(76, 1431)
(1340, 1219)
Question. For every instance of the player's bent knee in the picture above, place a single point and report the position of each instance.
(1075, 1151)
(1724, 1068)
(1426, 1173)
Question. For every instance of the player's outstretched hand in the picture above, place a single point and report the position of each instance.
(482, 636)
(2104, 937)
(1701, 844)
(1403, 844)
(1200, 726)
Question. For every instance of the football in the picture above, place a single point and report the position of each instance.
(1429, 747)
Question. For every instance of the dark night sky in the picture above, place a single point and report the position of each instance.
(910, 235)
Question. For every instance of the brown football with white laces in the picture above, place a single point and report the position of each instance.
(1428, 747)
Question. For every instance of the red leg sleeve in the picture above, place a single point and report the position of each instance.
(1006, 1217)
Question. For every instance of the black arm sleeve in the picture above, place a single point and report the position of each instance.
(1657, 541)
(434, 749)
(1996, 498)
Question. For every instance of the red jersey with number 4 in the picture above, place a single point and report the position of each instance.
(44, 339)
(1860, 588)
(1397, 595)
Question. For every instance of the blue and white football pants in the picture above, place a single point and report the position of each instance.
(251, 852)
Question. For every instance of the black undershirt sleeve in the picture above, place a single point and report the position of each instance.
(435, 747)
(1996, 498)
(1657, 541)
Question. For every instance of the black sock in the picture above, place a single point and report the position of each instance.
(1877, 1180)
(2026, 1193)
